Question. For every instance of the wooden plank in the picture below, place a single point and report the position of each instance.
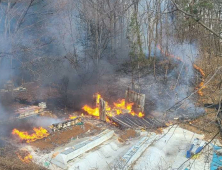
(102, 110)
(137, 98)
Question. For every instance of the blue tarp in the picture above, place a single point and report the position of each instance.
(198, 150)
(188, 155)
(217, 160)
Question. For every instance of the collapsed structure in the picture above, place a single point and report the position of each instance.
(66, 124)
(126, 120)
(9, 87)
(31, 110)
(131, 98)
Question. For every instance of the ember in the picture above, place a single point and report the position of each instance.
(72, 117)
(141, 114)
(26, 159)
(168, 54)
(39, 134)
(201, 85)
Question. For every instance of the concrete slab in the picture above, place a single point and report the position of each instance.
(134, 153)
(168, 152)
(104, 157)
(62, 159)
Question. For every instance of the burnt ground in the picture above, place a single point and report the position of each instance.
(128, 134)
(62, 137)
(203, 125)
(10, 161)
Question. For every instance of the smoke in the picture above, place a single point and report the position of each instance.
(52, 46)
(174, 83)
(44, 121)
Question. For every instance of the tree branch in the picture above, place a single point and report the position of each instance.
(196, 19)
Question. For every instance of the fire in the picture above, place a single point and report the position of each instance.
(141, 114)
(200, 70)
(39, 134)
(98, 96)
(111, 122)
(72, 117)
(201, 85)
(26, 159)
(117, 108)
(169, 124)
(168, 54)
(91, 111)
(121, 104)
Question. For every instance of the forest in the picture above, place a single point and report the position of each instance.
(124, 65)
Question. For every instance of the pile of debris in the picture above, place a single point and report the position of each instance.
(123, 115)
(9, 87)
(31, 110)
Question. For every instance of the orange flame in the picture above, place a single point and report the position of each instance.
(111, 122)
(121, 105)
(141, 114)
(98, 96)
(199, 69)
(201, 85)
(26, 159)
(39, 134)
(91, 111)
(194, 65)
(118, 108)
(72, 117)
(168, 54)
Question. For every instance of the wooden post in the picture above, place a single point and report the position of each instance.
(102, 110)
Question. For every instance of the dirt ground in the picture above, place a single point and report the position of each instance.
(211, 93)
(10, 161)
(13, 163)
(61, 137)
(129, 133)
(203, 125)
